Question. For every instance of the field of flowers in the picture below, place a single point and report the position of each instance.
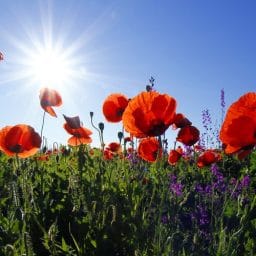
(138, 195)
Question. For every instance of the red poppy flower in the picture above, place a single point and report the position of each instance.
(149, 114)
(180, 121)
(174, 156)
(49, 98)
(73, 122)
(179, 149)
(188, 135)
(43, 158)
(81, 135)
(130, 150)
(107, 154)
(21, 140)
(149, 149)
(1, 56)
(238, 131)
(127, 139)
(114, 106)
(198, 148)
(208, 157)
(114, 147)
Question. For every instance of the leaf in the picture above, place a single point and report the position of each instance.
(64, 246)
(93, 242)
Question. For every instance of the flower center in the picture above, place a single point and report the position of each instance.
(157, 127)
(119, 112)
(16, 148)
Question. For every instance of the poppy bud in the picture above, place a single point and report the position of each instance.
(120, 135)
(148, 88)
(91, 114)
(44, 149)
(1, 56)
(101, 126)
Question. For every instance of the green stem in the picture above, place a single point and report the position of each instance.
(42, 127)
(100, 134)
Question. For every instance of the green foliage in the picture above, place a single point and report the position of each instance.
(79, 204)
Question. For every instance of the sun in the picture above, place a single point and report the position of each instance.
(43, 63)
(51, 56)
(49, 67)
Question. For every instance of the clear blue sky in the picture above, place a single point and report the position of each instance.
(192, 48)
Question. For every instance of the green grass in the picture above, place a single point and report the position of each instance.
(79, 204)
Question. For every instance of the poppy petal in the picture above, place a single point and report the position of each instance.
(173, 157)
(50, 111)
(149, 149)
(50, 98)
(188, 135)
(73, 122)
(149, 114)
(114, 106)
(21, 140)
(75, 141)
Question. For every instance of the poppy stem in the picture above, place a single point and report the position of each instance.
(41, 134)
(175, 142)
(17, 163)
(100, 133)
(160, 142)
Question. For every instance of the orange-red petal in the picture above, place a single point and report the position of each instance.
(174, 157)
(180, 121)
(79, 132)
(208, 157)
(149, 114)
(114, 106)
(49, 98)
(21, 140)
(114, 147)
(149, 149)
(238, 131)
(188, 135)
(75, 141)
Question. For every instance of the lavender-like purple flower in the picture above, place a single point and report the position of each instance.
(206, 136)
(164, 219)
(207, 120)
(219, 183)
(133, 159)
(245, 182)
(236, 190)
(201, 217)
(188, 151)
(222, 104)
(222, 99)
(199, 188)
(175, 186)
(237, 187)
(215, 169)
(208, 189)
(204, 189)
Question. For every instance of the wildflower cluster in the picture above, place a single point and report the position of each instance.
(131, 196)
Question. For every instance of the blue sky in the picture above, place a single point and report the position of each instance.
(193, 49)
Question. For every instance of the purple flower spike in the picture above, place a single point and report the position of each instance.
(245, 182)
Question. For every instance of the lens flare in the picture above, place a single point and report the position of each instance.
(49, 67)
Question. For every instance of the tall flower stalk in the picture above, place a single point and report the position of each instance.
(42, 127)
(99, 130)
